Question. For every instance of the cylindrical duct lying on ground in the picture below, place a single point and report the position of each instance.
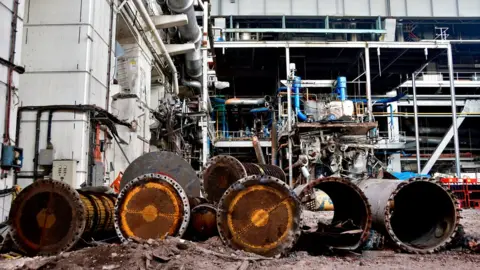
(259, 214)
(49, 217)
(222, 171)
(352, 217)
(203, 222)
(418, 216)
(151, 206)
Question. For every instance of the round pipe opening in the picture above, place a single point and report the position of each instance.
(423, 215)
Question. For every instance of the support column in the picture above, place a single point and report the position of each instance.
(289, 116)
(454, 110)
(205, 141)
(415, 116)
(369, 83)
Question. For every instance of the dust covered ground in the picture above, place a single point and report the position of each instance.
(174, 253)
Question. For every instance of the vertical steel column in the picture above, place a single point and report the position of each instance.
(289, 116)
(369, 82)
(454, 109)
(415, 116)
(206, 147)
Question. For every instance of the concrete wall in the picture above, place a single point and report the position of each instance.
(65, 53)
(6, 8)
(352, 8)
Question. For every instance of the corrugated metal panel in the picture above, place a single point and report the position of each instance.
(101, 18)
(445, 8)
(99, 59)
(357, 8)
(419, 8)
(57, 11)
(328, 7)
(469, 8)
(354, 8)
(305, 7)
(279, 7)
(251, 7)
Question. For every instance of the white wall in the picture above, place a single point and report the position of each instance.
(6, 7)
(65, 53)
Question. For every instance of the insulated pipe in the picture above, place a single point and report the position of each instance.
(296, 89)
(419, 216)
(350, 206)
(258, 150)
(454, 110)
(189, 33)
(222, 171)
(245, 101)
(415, 117)
(193, 84)
(158, 39)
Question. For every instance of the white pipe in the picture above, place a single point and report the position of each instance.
(158, 39)
(289, 118)
(205, 99)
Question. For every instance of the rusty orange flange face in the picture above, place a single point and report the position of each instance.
(259, 214)
(151, 206)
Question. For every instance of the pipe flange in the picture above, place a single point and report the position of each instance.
(207, 184)
(388, 215)
(32, 196)
(145, 180)
(238, 233)
(308, 189)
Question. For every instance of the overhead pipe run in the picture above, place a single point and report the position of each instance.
(297, 84)
(146, 17)
(418, 215)
(189, 33)
(245, 101)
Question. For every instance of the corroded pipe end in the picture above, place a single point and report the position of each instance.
(47, 217)
(351, 210)
(203, 222)
(421, 216)
(219, 174)
(151, 206)
(259, 214)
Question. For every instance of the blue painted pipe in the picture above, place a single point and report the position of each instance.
(259, 110)
(218, 100)
(282, 88)
(297, 83)
(342, 88)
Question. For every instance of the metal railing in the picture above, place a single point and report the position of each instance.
(385, 138)
(444, 76)
(240, 136)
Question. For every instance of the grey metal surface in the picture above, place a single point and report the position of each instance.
(369, 83)
(324, 44)
(352, 8)
(418, 215)
(166, 163)
(415, 117)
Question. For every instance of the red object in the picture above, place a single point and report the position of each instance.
(116, 183)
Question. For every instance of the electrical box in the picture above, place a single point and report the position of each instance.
(45, 157)
(12, 157)
(65, 171)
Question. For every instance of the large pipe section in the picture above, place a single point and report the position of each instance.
(49, 217)
(259, 214)
(350, 206)
(222, 171)
(297, 84)
(418, 216)
(189, 33)
(151, 206)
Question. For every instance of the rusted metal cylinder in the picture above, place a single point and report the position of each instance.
(151, 206)
(259, 214)
(418, 216)
(222, 171)
(203, 222)
(352, 217)
(49, 217)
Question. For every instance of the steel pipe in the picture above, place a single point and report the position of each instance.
(245, 101)
(454, 110)
(49, 217)
(415, 117)
(222, 171)
(259, 214)
(203, 222)
(189, 33)
(418, 216)
(350, 205)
